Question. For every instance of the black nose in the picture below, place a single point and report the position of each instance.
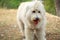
(37, 18)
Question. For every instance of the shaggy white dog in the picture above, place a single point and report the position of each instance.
(31, 20)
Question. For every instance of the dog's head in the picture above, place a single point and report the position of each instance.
(35, 12)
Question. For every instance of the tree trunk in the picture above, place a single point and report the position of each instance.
(57, 4)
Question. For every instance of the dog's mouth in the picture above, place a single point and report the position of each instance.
(36, 21)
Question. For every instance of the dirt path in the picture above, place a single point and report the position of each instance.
(10, 31)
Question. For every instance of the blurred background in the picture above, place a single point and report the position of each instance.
(13, 4)
(9, 29)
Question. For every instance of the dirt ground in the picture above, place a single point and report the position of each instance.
(9, 29)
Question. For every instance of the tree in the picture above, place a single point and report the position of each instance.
(57, 4)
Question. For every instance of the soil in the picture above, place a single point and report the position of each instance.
(9, 29)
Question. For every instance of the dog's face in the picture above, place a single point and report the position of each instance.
(35, 13)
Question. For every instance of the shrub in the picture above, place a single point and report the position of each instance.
(49, 4)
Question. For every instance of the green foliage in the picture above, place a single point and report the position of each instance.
(11, 3)
(49, 4)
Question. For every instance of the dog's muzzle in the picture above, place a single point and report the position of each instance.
(36, 21)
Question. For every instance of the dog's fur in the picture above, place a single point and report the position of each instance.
(27, 12)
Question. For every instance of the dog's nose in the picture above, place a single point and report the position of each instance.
(37, 18)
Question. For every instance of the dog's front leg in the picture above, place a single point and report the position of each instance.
(41, 34)
(29, 35)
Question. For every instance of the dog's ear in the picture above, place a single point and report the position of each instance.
(27, 8)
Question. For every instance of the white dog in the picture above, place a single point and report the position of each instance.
(31, 20)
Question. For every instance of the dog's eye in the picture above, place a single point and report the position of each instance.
(38, 11)
(33, 11)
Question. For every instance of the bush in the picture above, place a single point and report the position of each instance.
(10, 3)
(49, 4)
